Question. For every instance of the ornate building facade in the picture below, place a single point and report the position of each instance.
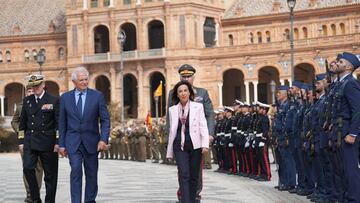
(238, 50)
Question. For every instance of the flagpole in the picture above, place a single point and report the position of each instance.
(161, 106)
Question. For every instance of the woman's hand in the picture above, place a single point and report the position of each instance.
(204, 150)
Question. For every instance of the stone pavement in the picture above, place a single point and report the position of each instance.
(127, 181)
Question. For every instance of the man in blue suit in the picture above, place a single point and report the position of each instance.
(81, 110)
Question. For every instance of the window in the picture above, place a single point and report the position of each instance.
(231, 40)
(268, 36)
(287, 34)
(106, 3)
(61, 53)
(296, 34)
(1, 59)
(209, 32)
(342, 28)
(333, 29)
(8, 56)
(27, 56)
(305, 32)
(251, 37)
(259, 37)
(94, 3)
(34, 54)
(127, 2)
(324, 30)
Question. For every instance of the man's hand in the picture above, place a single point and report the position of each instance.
(21, 149)
(350, 139)
(101, 146)
(62, 152)
(56, 148)
(205, 150)
(211, 138)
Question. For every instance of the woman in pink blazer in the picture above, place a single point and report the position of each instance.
(188, 138)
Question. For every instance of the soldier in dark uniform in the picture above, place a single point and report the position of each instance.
(242, 127)
(38, 132)
(218, 141)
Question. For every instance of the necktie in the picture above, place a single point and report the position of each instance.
(38, 100)
(79, 104)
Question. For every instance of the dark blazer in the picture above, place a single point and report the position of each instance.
(75, 129)
(39, 123)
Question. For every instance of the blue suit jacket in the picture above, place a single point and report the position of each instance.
(75, 130)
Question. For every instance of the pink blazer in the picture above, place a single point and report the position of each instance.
(198, 129)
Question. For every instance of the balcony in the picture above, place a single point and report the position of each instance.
(128, 56)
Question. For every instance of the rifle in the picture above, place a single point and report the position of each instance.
(328, 75)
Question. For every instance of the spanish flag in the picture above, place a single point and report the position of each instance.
(148, 120)
(158, 91)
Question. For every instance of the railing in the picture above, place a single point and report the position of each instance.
(127, 56)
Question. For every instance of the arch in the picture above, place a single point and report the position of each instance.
(304, 72)
(101, 39)
(34, 54)
(231, 40)
(61, 53)
(324, 30)
(342, 28)
(156, 34)
(333, 29)
(130, 31)
(26, 55)
(266, 74)
(52, 88)
(268, 36)
(8, 56)
(259, 37)
(251, 37)
(220, 74)
(130, 96)
(296, 33)
(155, 78)
(287, 34)
(233, 86)
(14, 93)
(102, 84)
(305, 32)
(209, 28)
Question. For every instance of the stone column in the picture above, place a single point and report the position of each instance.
(255, 83)
(290, 83)
(220, 85)
(282, 81)
(113, 82)
(85, 4)
(140, 73)
(247, 91)
(2, 98)
(111, 3)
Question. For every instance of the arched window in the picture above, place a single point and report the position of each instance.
(251, 37)
(333, 29)
(106, 3)
(156, 34)
(26, 55)
(324, 30)
(61, 53)
(8, 56)
(268, 36)
(231, 40)
(296, 34)
(1, 58)
(342, 28)
(34, 54)
(305, 32)
(94, 3)
(101, 39)
(287, 34)
(209, 32)
(259, 36)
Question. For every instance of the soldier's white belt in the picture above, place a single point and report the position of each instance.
(261, 144)
(233, 128)
(259, 135)
(238, 131)
(227, 134)
(222, 134)
(218, 134)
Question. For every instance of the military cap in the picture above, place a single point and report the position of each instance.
(320, 76)
(297, 84)
(186, 70)
(262, 105)
(353, 59)
(246, 104)
(229, 109)
(238, 102)
(304, 86)
(34, 80)
(221, 110)
(283, 87)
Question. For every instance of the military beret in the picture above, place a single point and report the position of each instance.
(186, 70)
(297, 84)
(353, 59)
(283, 87)
(34, 80)
(320, 76)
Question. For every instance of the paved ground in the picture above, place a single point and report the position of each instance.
(126, 181)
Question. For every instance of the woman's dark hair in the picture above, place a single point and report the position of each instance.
(175, 98)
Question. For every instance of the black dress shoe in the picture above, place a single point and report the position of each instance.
(293, 191)
(283, 188)
(277, 187)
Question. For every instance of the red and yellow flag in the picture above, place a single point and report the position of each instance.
(148, 120)
(158, 91)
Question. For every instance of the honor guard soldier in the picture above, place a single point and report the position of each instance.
(227, 139)
(38, 134)
(242, 128)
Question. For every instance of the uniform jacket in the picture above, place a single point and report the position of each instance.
(39, 123)
(75, 129)
(197, 127)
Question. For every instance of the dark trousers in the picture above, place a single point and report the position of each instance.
(188, 163)
(91, 165)
(289, 167)
(265, 171)
(299, 164)
(49, 161)
(328, 173)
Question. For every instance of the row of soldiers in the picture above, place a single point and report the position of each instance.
(315, 133)
(242, 140)
(137, 141)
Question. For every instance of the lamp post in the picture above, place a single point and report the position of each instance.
(291, 5)
(121, 39)
(273, 87)
(41, 59)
